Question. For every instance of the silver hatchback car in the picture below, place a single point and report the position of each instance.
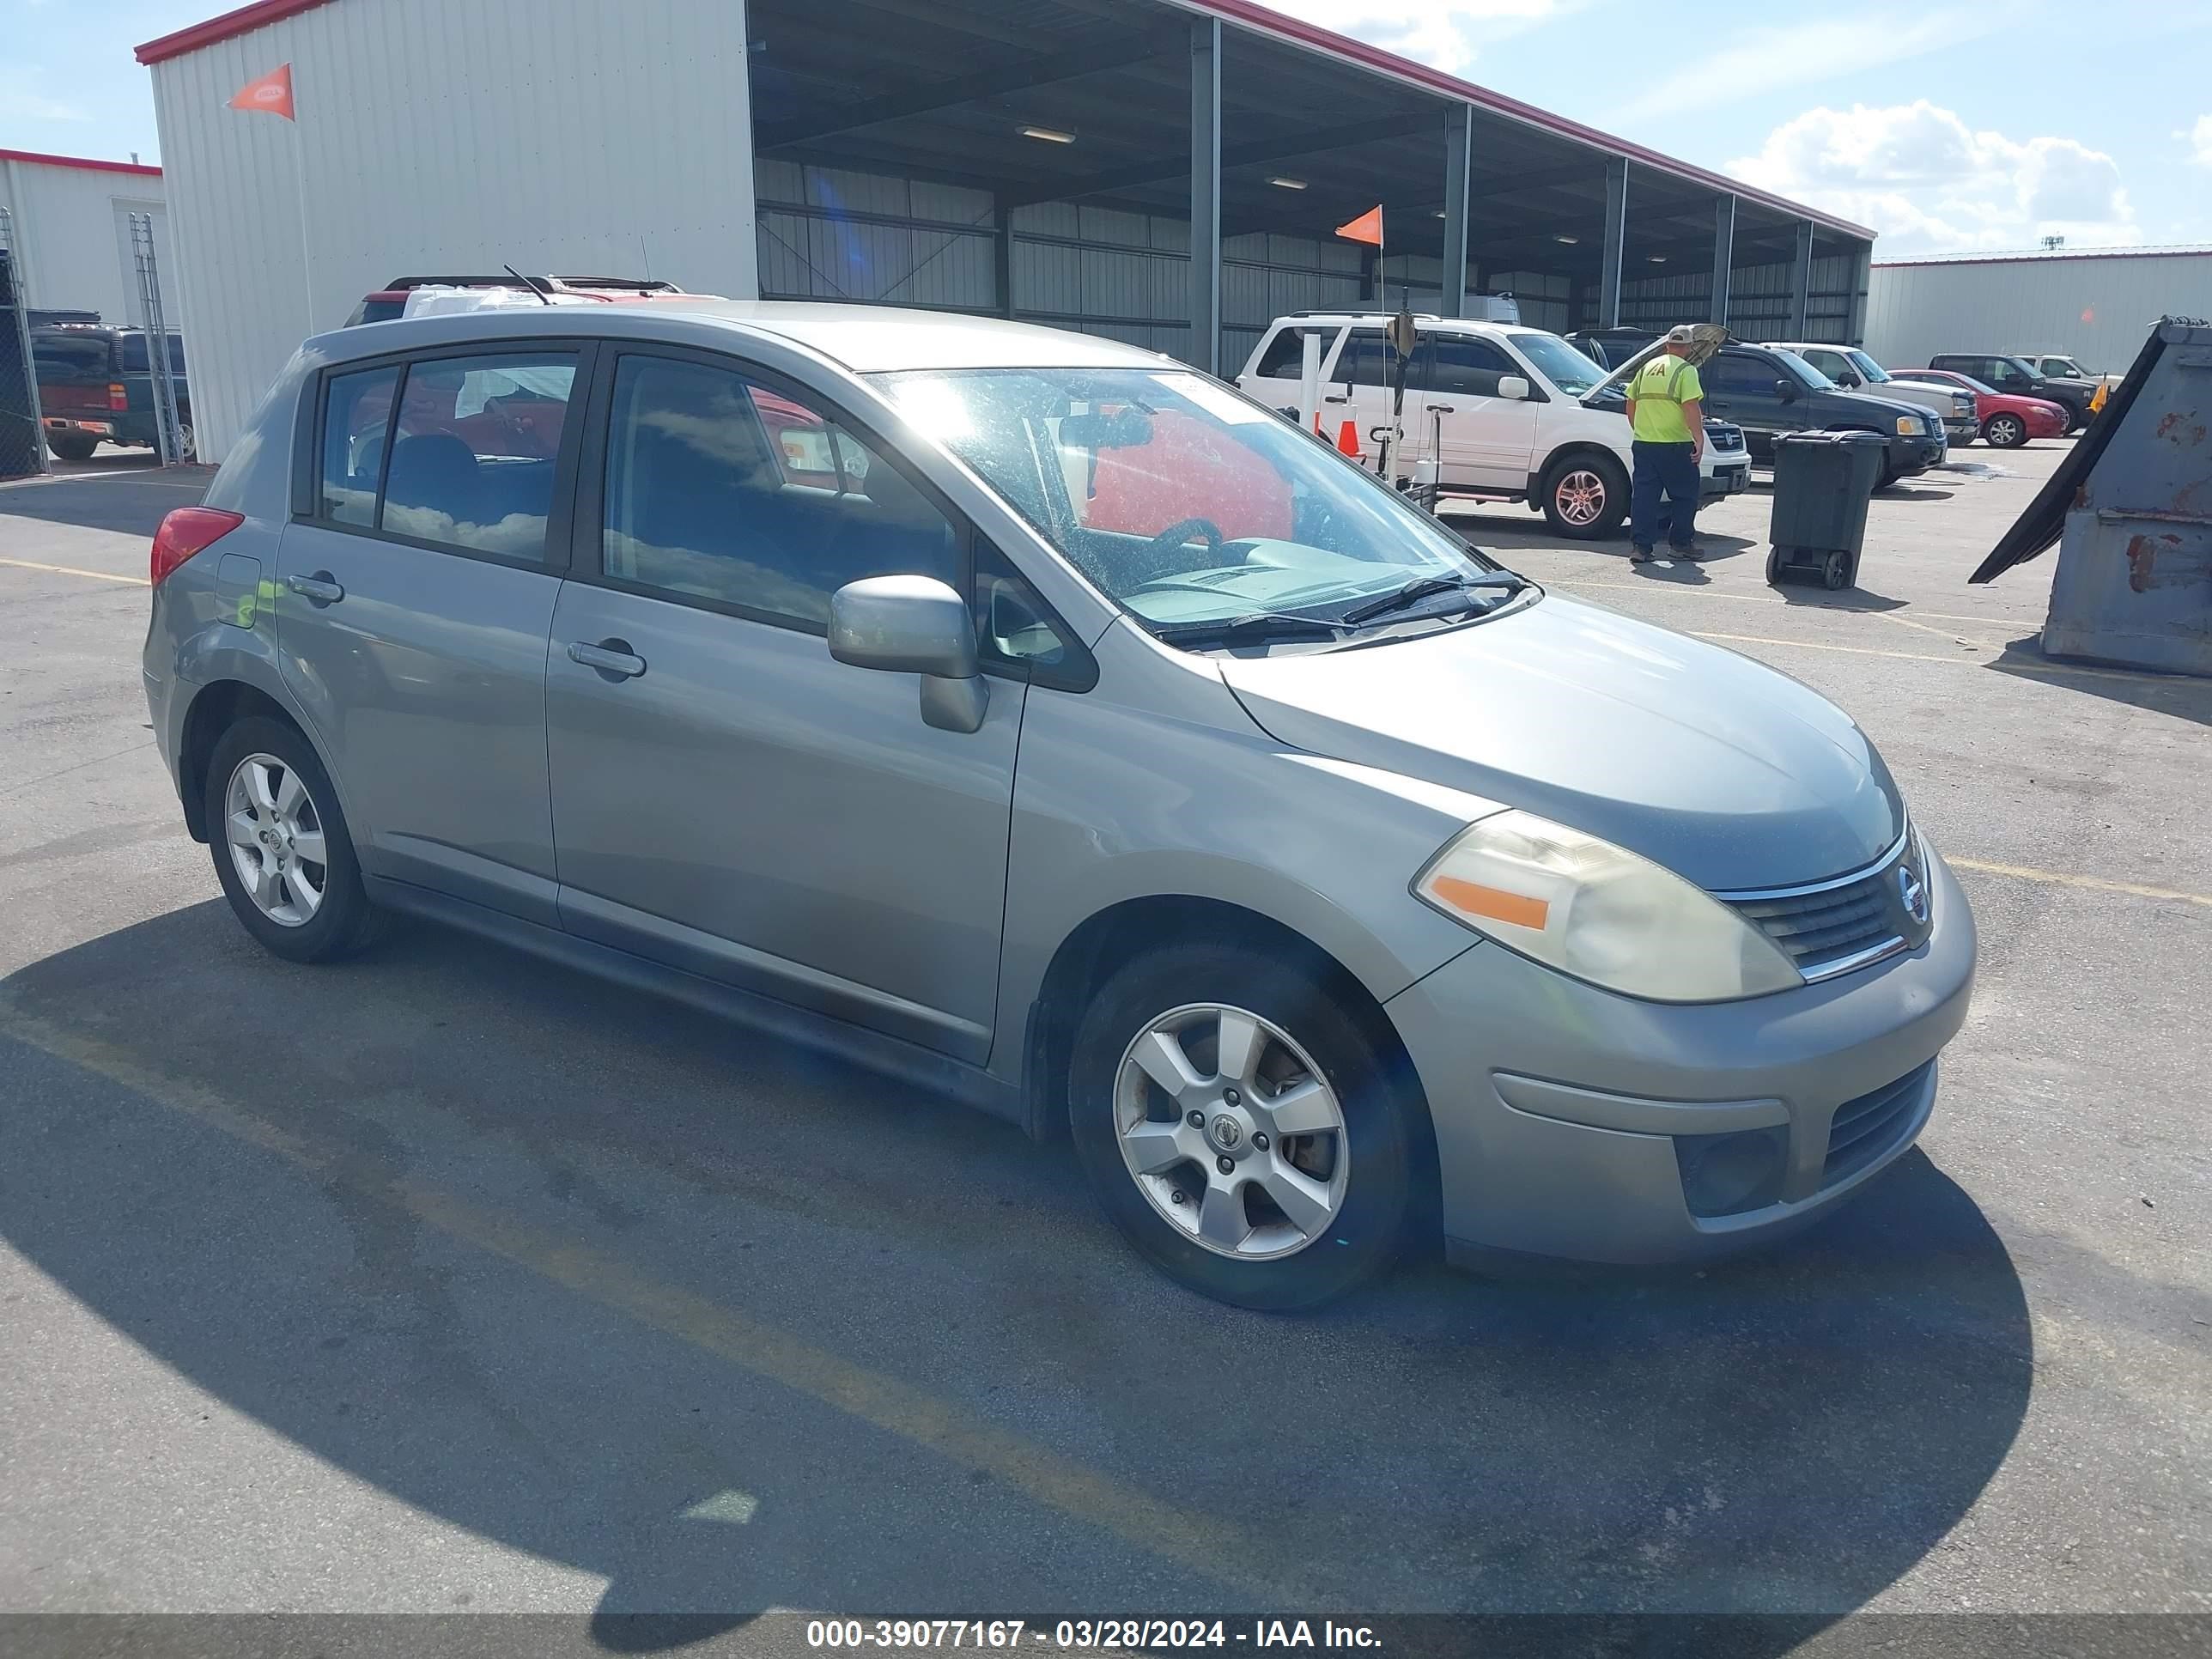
(1036, 719)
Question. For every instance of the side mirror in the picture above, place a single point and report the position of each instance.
(1512, 388)
(913, 625)
(1786, 390)
(1847, 380)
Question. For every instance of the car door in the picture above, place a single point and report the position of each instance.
(412, 598)
(1361, 379)
(726, 797)
(1740, 389)
(1485, 440)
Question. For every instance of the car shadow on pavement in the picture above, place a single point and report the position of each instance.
(2184, 696)
(1913, 493)
(605, 1281)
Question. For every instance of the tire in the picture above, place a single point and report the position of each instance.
(1351, 1188)
(2002, 431)
(1774, 567)
(340, 920)
(1585, 496)
(71, 445)
(1836, 570)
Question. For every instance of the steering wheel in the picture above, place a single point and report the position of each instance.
(1154, 554)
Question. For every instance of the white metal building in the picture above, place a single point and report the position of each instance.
(1165, 172)
(2095, 305)
(71, 225)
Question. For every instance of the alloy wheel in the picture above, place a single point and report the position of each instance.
(1580, 496)
(2005, 432)
(276, 843)
(1231, 1132)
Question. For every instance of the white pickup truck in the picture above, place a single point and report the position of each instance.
(1851, 369)
(1513, 414)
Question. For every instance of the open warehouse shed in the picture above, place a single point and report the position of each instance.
(1165, 172)
(2095, 305)
(71, 223)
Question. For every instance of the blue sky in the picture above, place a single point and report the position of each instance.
(1944, 126)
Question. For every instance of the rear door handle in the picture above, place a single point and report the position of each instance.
(612, 658)
(318, 590)
(1332, 398)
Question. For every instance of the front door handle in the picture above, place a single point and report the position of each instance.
(612, 658)
(318, 590)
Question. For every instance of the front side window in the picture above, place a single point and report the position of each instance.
(1187, 504)
(1803, 371)
(2066, 366)
(723, 488)
(1560, 363)
(1868, 370)
(473, 452)
(356, 419)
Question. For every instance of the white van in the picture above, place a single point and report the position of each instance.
(1515, 413)
(1851, 369)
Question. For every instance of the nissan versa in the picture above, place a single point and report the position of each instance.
(1031, 717)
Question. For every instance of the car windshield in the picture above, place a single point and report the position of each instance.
(1869, 371)
(1803, 370)
(1560, 363)
(1186, 503)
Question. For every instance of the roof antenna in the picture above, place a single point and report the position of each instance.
(543, 298)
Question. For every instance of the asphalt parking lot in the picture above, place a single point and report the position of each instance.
(448, 1281)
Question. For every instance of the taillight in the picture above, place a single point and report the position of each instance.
(118, 396)
(187, 530)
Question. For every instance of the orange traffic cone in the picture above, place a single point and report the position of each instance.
(1347, 440)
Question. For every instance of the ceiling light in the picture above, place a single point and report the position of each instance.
(1288, 183)
(1443, 215)
(1656, 258)
(1569, 241)
(1046, 135)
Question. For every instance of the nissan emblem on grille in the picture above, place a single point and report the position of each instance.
(1913, 891)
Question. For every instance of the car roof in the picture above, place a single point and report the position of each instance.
(867, 339)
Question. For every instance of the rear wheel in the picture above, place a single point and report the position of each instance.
(1242, 1128)
(281, 846)
(1585, 496)
(2005, 431)
(71, 445)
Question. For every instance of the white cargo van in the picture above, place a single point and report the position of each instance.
(1513, 413)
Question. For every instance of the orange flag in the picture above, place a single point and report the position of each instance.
(1367, 228)
(272, 92)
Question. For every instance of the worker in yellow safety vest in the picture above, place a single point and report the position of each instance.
(1665, 412)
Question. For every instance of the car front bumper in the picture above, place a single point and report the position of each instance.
(1918, 453)
(1964, 430)
(1730, 475)
(1557, 1105)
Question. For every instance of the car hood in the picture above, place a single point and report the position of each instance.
(1873, 404)
(1707, 762)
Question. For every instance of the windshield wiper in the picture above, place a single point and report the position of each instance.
(1427, 586)
(1253, 627)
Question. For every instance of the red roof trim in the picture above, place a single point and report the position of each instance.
(262, 12)
(1245, 13)
(38, 159)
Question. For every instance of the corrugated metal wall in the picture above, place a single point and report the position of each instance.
(2097, 310)
(1759, 300)
(71, 224)
(558, 135)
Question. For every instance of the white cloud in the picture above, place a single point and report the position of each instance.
(1927, 182)
(1445, 34)
(2199, 140)
(1773, 60)
(22, 101)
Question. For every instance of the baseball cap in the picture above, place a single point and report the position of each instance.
(1681, 334)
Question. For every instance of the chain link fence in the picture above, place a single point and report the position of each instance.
(22, 439)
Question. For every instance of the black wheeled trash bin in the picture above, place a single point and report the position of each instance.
(1822, 480)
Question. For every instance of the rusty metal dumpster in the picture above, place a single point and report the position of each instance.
(2130, 511)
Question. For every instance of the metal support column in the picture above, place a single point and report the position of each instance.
(1616, 242)
(1459, 151)
(22, 426)
(1206, 194)
(1801, 281)
(1724, 257)
(1862, 277)
(1002, 255)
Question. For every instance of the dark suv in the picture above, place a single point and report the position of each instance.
(1770, 392)
(95, 385)
(2018, 378)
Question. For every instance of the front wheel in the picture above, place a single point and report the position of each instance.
(1585, 496)
(2005, 431)
(1242, 1129)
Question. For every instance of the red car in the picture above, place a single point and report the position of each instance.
(2007, 420)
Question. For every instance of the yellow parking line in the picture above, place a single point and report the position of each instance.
(1217, 1549)
(2016, 664)
(1678, 590)
(2092, 884)
(71, 570)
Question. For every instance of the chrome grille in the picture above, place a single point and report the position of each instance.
(1863, 1130)
(1830, 928)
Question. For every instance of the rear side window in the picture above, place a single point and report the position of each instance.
(1285, 356)
(356, 418)
(723, 488)
(473, 450)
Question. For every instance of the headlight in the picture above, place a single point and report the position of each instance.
(1600, 912)
(1907, 425)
